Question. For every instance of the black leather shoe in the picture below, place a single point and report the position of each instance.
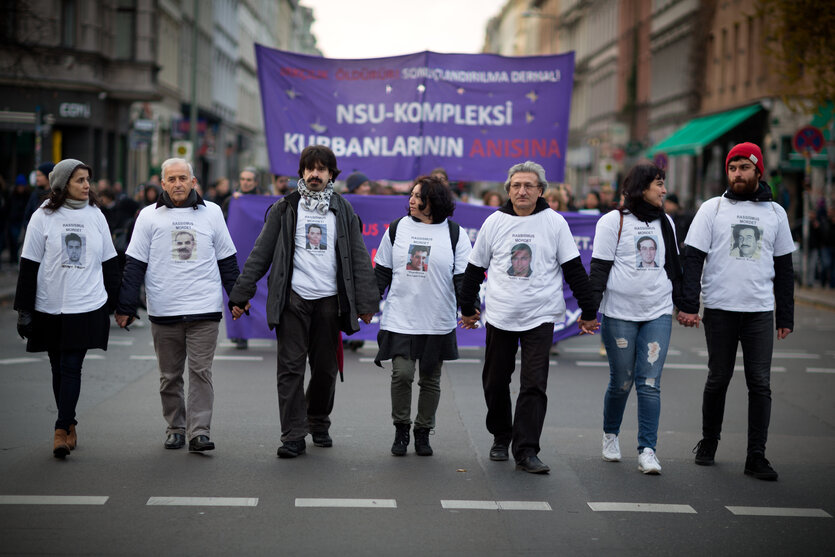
(533, 465)
(322, 439)
(498, 452)
(175, 441)
(200, 443)
(291, 449)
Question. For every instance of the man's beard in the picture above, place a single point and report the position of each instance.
(745, 186)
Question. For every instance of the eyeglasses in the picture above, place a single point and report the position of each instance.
(519, 187)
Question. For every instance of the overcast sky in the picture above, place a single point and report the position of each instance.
(379, 28)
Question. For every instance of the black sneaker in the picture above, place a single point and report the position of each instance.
(422, 447)
(291, 449)
(401, 440)
(705, 450)
(756, 465)
(322, 439)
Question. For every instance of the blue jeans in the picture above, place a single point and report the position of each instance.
(66, 384)
(636, 352)
(724, 331)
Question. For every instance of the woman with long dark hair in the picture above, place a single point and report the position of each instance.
(421, 260)
(635, 268)
(69, 278)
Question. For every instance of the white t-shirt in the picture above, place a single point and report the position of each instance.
(421, 298)
(182, 247)
(638, 288)
(314, 260)
(741, 239)
(70, 245)
(524, 289)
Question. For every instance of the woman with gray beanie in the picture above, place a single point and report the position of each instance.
(68, 281)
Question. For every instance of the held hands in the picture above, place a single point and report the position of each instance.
(366, 317)
(688, 319)
(588, 327)
(238, 311)
(470, 321)
(124, 320)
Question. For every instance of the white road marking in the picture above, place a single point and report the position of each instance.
(143, 357)
(672, 365)
(642, 508)
(252, 343)
(464, 361)
(497, 505)
(203, 501)
(347, 503)
(52, 500)
(15, 361)
(779, 511)
(120, 341)
(776, 355)
(94, 357)
(227, 358)
(596, 350)
(820, 370)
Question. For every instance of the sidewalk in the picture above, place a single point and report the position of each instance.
(814, 296)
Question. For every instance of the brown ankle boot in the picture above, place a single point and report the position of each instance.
(72, 438)
(60, 448)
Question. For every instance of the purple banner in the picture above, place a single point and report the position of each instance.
(396, 118)
(246, 217)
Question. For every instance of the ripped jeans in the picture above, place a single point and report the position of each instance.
(636, 352)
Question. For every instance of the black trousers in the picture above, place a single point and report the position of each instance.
(308, 332)
(724, 331)
(521, 430)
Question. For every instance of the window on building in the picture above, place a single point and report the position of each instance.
(723, 60)
(68, 21)
(749, 52)
(735, 58)
(124, 37)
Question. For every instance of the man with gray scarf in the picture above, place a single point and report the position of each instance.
(312, 294)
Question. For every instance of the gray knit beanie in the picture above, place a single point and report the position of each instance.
(62, 173)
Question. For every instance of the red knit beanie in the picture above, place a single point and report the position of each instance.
(750, 152)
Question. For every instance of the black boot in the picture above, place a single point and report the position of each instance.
(422, 447)
(401, 440)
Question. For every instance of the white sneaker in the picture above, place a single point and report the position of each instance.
(611, 447)
(648, 462)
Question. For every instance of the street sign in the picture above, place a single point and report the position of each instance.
(660, 160)
(808, 139)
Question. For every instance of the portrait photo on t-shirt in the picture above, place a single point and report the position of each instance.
(646, 248)
(74, 245)
(418, 258)
(521, 257)
(745, 241)
(183, 245)
(316, 235)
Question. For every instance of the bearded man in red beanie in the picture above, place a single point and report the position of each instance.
(740, 289)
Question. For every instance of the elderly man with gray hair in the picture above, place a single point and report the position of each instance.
(522, 308)
(183, 252)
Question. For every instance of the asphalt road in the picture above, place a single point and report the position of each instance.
(121, 493)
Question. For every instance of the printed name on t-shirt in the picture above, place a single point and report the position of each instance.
(182, 225)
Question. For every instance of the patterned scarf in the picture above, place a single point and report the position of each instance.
(318, 201)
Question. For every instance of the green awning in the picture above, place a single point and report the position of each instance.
(691, 138)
